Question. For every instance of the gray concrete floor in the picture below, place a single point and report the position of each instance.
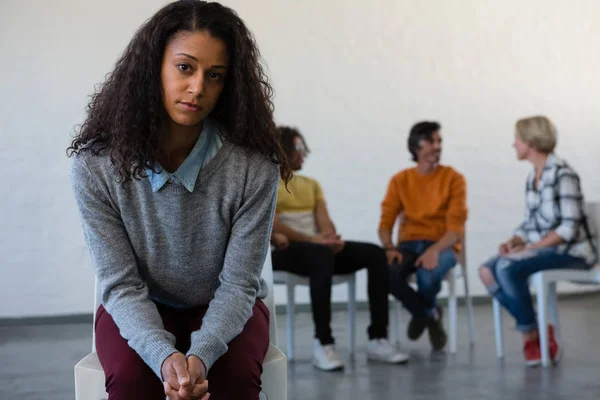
(37, 362)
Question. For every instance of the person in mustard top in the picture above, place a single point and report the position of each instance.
(307, 243)
(431, 201)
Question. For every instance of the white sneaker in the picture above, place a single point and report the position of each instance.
(381, 350)
(325, 357)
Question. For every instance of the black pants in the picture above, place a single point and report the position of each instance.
(319, 264)
(412, 300)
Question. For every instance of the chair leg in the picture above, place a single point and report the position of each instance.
(452, 313)
(397, 309)
(553, 307)
(290, 310)
(352, 315)
(469, 307)
(498, 328)
(542, 302)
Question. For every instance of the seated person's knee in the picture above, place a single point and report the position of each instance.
(245, 372)
(486, 276)
(132, 374)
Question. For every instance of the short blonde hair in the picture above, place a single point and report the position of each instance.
(538, 132)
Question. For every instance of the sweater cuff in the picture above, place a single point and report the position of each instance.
(157, 349)
(207, 348)
(459, 229)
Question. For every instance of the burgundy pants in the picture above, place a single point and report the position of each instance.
(236, 375)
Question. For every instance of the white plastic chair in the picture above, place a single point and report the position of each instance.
(293, 280)
(545, 285)
(459, 271)
(89, 376)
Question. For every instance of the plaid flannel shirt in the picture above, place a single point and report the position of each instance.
(557, 205)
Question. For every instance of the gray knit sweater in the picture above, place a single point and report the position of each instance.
(184, 249)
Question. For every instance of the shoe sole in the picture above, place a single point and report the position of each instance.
(340, 368)
(533, 363)
(556, 359)
(380, 361)
(415, 338)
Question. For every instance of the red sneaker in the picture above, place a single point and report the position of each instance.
(532, 353)
(553, 344)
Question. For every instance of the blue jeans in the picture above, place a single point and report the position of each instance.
(429, 282)
(511, 274)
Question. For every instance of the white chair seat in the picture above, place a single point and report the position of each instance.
(292, 280)
(89, 379)
(274, 376)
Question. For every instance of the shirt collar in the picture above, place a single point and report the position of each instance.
(187, 173)
(547, 172)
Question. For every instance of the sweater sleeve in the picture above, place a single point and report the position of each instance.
(391, 205)
(457, 207)
(124, 293)
(239, 280)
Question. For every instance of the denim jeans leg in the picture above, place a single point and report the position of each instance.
(430, 281)
(513, 274)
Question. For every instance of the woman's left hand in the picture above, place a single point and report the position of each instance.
(198, 381)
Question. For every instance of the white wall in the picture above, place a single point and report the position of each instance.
(352, 75)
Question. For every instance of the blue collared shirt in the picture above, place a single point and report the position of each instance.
(208, 144)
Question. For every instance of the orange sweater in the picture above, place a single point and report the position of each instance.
(431, 205)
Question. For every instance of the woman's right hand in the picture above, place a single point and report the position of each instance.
(280, 241)
(514, 245)
(327, 239)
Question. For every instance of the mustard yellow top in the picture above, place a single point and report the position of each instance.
(296, 204)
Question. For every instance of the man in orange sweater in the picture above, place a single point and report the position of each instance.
(431, 200)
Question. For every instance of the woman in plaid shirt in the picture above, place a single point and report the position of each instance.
(553, 235)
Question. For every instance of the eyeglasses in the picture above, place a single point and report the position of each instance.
(301, 148)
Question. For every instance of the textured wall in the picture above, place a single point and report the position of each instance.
(352, 75)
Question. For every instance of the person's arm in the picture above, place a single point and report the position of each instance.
(324, 223)
(279, 241)
(571, 212)
(326, 238)
(234, 299)
(291, 234)
(550, 240)
(327, 234)
(456, 216)
(447, 241)
(124, 293)
(519, 237)
(385, 236)
(391, 207)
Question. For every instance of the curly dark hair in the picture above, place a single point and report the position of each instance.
(421, 131)
(126, 121)
(287, 135)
